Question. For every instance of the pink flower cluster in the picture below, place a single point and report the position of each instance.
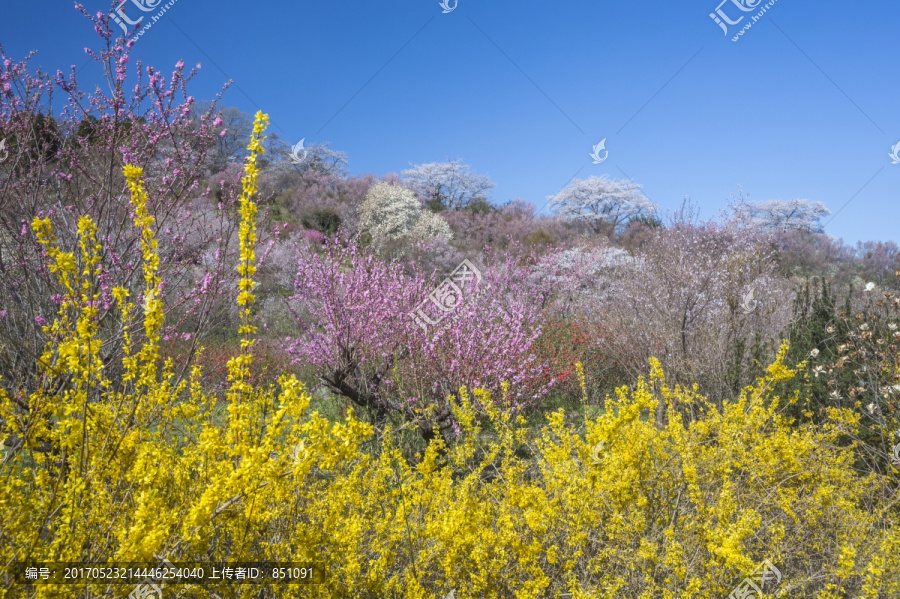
(356, 314)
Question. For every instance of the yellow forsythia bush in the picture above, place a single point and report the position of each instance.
(149, 466)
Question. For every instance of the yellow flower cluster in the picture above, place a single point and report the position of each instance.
(239, 366)
(75, 347)
(153, 305)
(247, 231)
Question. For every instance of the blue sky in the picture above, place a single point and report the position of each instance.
(804, 105)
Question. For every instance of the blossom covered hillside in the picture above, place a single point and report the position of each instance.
(217, 357)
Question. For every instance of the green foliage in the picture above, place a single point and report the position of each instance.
(539, 238)
(323, 220)
(815, 322)
(42, 138)
(480, 206)
(651, 221)
(741, 370)
(435, 203)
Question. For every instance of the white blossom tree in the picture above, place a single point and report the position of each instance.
(447, 185)
(391, 212)
(584, 278)
(782, 215)
(429, 226)
(601, 201)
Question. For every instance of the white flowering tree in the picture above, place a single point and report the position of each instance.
(694, 297)
(583, 277)
(447, 185)
(600, 202)
(429, 226)
(391, 212)
(782, 215)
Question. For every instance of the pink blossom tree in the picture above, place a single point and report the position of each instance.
(65, 152)
(359, 333)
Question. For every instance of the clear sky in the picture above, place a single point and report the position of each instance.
(806, 104)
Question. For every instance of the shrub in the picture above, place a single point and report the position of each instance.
(539, 238)
(66, 165)
(852, 360)
(682, 297)
(113, 470)
(502, 228)
(325, 221)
